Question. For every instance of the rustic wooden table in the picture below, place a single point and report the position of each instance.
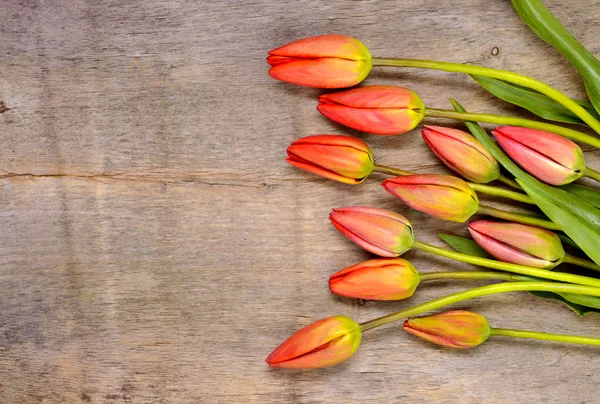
(155, 245)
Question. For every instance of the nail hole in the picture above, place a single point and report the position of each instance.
(495, 51)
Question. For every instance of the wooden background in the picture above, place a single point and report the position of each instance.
(154, 244)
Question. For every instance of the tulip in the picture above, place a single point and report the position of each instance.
(325, 342)
(442, 196)
(518, 243)
(382, 110)
(377, 279)
(326, 61)
(547, 156)
(462, 153)
(452, 329)
(379, 231)
(341, 158)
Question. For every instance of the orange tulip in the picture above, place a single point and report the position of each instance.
(442, 196)
(377, 279)
(380, 231)
(341, 158)
(326, 61)
(382, 110)
(452, 329)
(462, 153)
(323, 343)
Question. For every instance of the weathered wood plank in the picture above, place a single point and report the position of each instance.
(155, 245)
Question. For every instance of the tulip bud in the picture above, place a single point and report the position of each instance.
(323, 343)
(462, 153)
(379, 231)
(341, 158)
(442, 196)
(452, 329)
(518, 243)
(377, 279)
(382, 110)
(547, 156)
(326, 61)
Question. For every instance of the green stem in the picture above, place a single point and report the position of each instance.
(571, 259)
(505, 75)
(591, 173)
(478, 275)
(571, 339)
(486, 189)
(504, 287)
(515, 217)
(511, 183)
(514, 121)
(508, 267)
(503, 193)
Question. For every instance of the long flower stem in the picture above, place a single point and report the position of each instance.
(476, 275)
(571, 259)
(503, 287)
(508, 267)
(515, 217)
(511, 183)
(485, 189)
(505, 75)
(514, 121)
(571, 339)
(591, 173)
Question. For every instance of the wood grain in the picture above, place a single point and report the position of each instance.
(155, 246)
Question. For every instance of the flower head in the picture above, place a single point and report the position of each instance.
(377, 279)
(323, 343)
(325, 61)
(341, 158)
(379, 231)
(382, 110)
(452, 329)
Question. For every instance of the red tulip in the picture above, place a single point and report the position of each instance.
(382, 110)
(518, 243)
(377, 279)
(341, 158)
(326, 61)
(323, 343)
(547, 156)
(379, 231)
(442, 196)
(462, 153)
(452, 329)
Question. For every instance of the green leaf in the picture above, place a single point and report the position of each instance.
(465, 245)
(533, 101)
(547, 27)
(586, 193)
(579, 219)
(583, 300)
(566, 240)
(577, 308)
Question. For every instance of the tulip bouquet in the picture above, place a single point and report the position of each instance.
(524, 251)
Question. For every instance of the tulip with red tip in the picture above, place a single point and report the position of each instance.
(547, 156)
(341, 158)
(462, 153)
(443, 196)
(323, 343)
(452, 329)
(518, 243)
(380, 231)
(382, 110)
(326, 61)
(377, 279)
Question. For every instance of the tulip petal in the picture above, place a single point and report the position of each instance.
(338, 46)
(375, 97)
(321, 72)
(547, 156)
